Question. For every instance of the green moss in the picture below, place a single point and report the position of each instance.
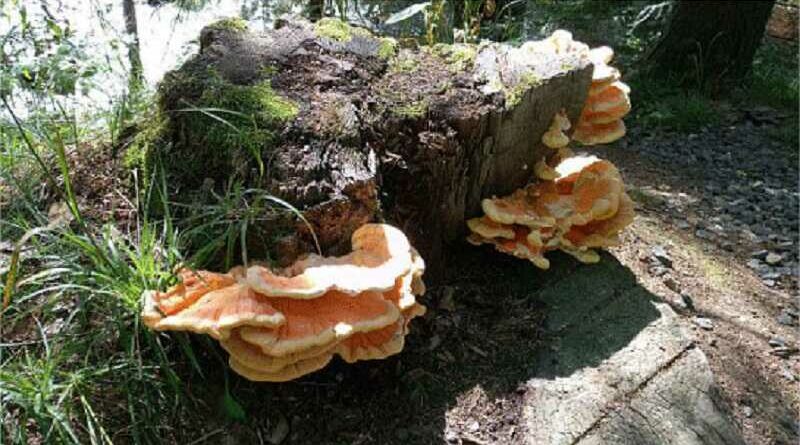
(334, 29)
(218, 129)
(151, 132)
(458, 57)
(340, 31)
(515, 93)
(230, 23)
(387, 48)
(412, 110)
(268, 71)
(407, 64)
(240, 118)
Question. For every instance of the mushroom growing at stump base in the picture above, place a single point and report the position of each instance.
(278, 325)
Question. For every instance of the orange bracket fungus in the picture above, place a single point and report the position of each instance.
(554, 137)
(584, 208)
(607, 103)
(278, 325)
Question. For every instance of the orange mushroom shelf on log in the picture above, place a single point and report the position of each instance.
(584, 208)
(608, 102)
(280, 325)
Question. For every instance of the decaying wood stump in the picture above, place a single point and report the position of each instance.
(349, 128)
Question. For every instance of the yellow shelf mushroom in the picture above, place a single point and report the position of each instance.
(278, 325)
(607, 103)
(585, 207)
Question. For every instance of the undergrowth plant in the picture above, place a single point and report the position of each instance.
(90, 371)
(82, 286)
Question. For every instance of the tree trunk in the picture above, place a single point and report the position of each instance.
(710, 44)
(136, 75)
(415, 137)
(314, 9)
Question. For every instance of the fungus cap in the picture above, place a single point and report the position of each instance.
(380, 254)
(603, 233)
(191, 286)
(519, 247)
(597, 134)
(516, 208)
(252, 357)
(289, 372)
(319, 321)
(373, 345)
(485, 227)
(219, 311)
(555, 137)
(601, 55)
(544, 171)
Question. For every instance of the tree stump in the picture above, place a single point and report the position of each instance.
(349, 128)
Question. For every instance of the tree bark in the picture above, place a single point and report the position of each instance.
(710, 44)
(136, 75)
(415, 138)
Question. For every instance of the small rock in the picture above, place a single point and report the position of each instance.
(474, 426)
(686, 301)
(767, 274)
(773, 258)
(672, 285)
(788, 374)
(683, 225)
(661, 255)
(760, 254)
(703, 234)
(754, 263)
(769, 283)
(784, 352)
(747, 411)
(703, 323)
(777, 342)
(785, 318)
(658, 271)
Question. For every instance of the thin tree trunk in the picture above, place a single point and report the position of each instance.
(710, 44)
(136, 76)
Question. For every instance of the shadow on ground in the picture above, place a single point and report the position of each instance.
(488, 327)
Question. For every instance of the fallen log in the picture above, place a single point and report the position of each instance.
(349, 128)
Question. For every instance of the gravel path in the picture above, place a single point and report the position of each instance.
(731, 185)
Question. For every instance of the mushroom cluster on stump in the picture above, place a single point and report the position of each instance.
(584, 208)
(608, 102)
(280, 325)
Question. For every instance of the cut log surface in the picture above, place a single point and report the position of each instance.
(415, 137)
(620, 368)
